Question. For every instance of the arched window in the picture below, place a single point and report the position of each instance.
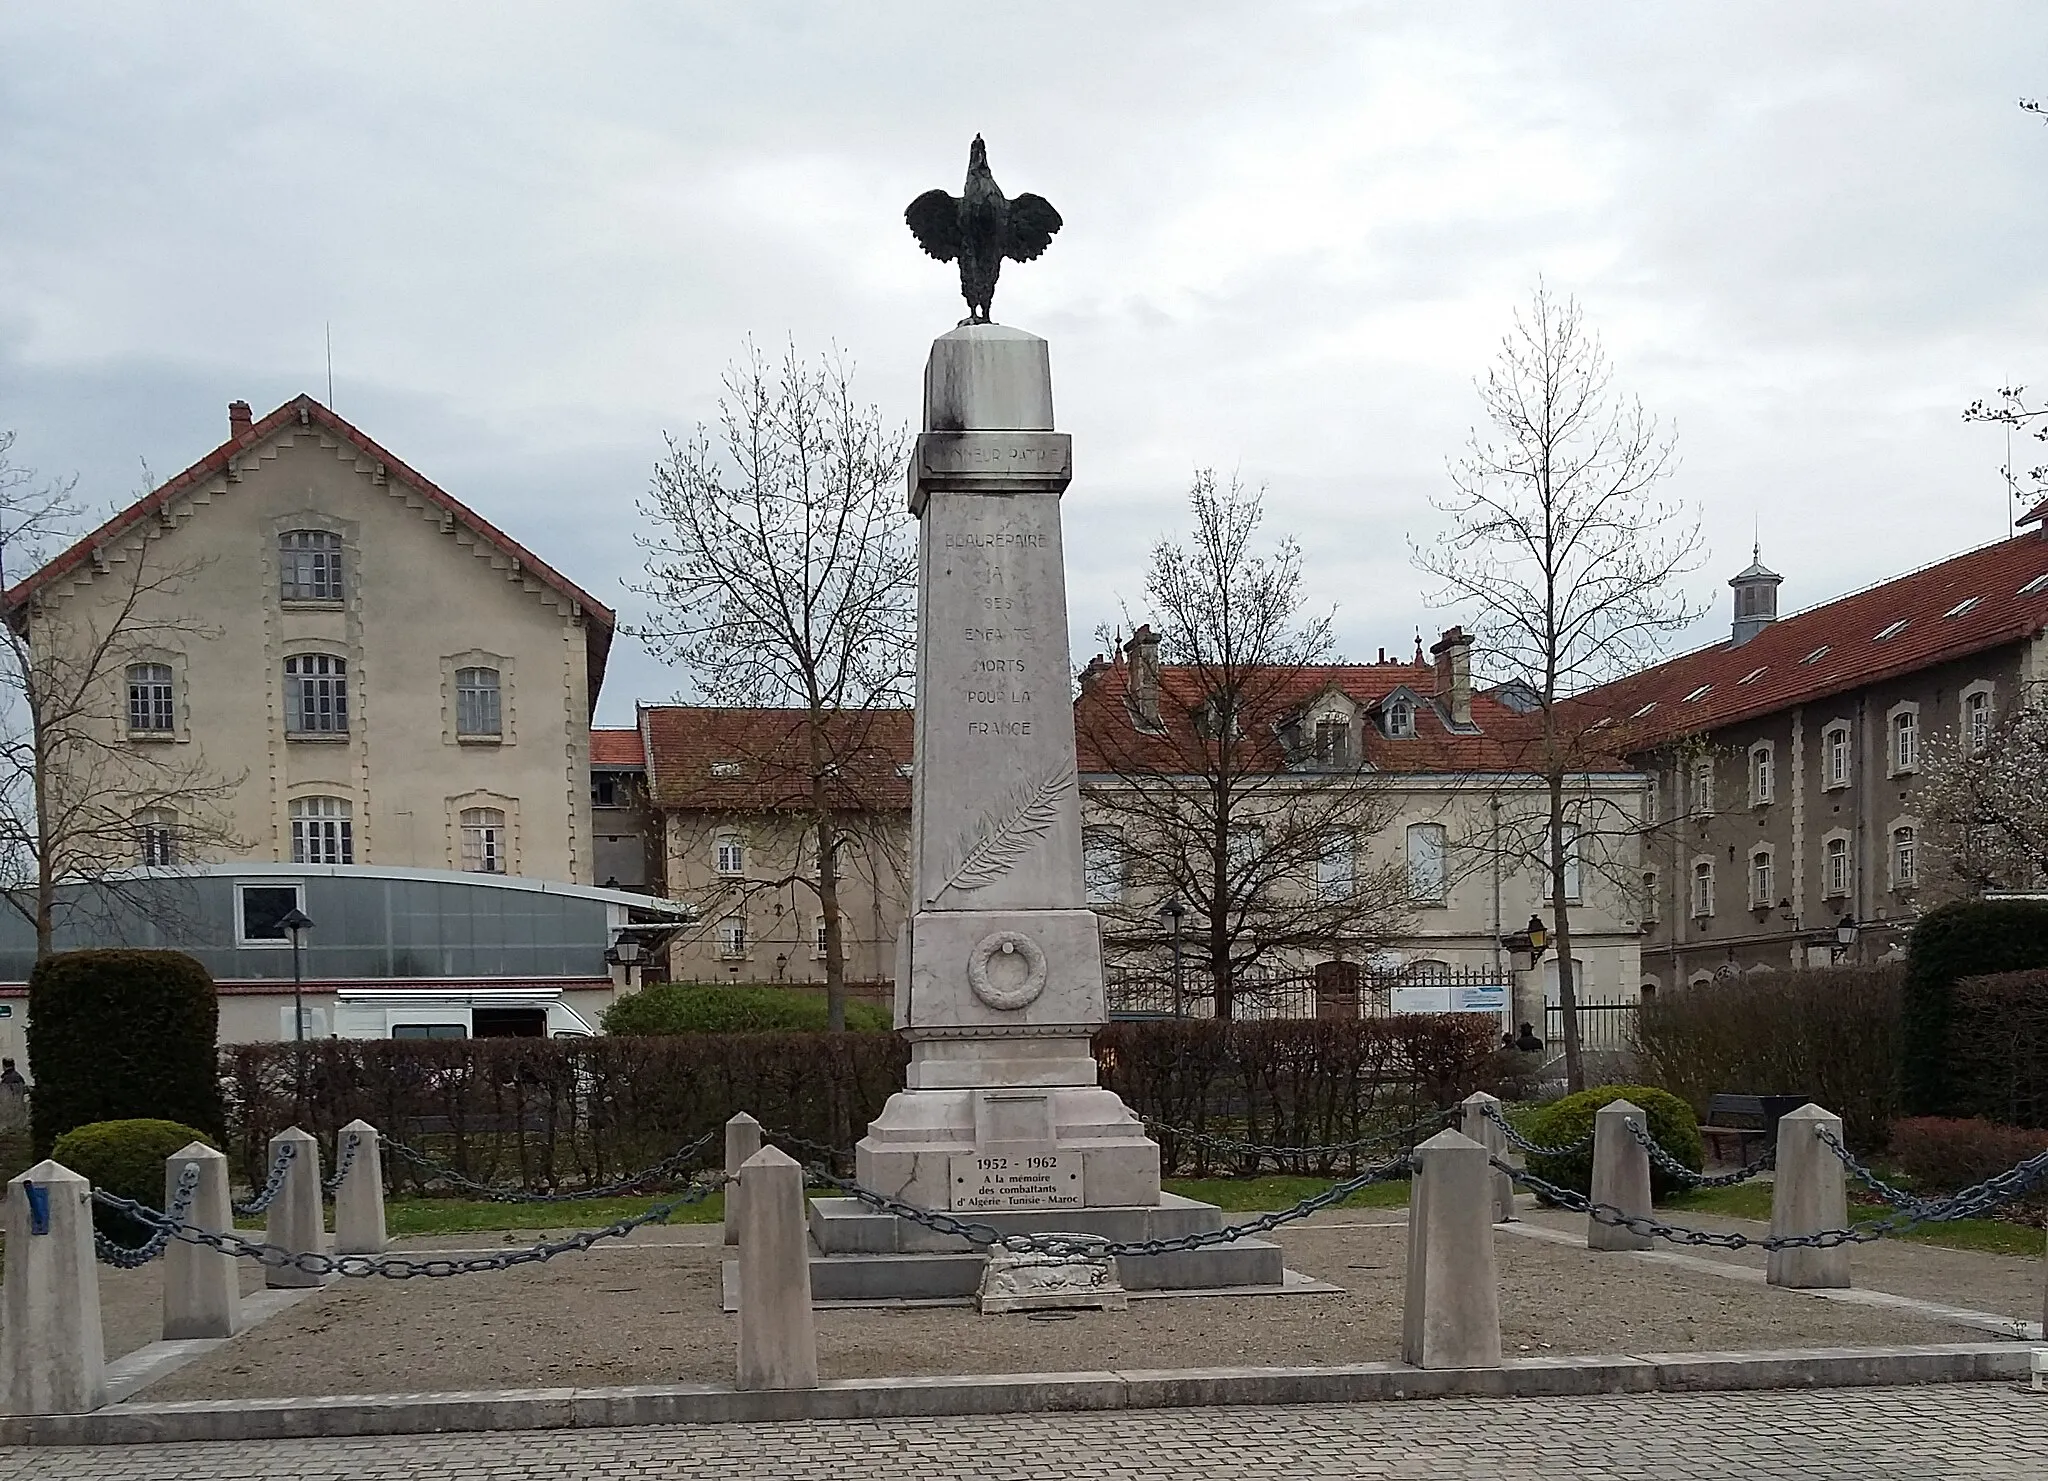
(1102, 864)
(1703, 787)
(477, 711)
(1703, 888)
(156, 837)
(483, 840)
(309, 566)
(1762, 781)
(1426, 862)
(1836, 739)
(731, 854)
(321, 831)
(1906, 739)
(1400, 718)
(1905, 857)
(1836, 879)
(149, 699)
(316, 694)
(1760, 896)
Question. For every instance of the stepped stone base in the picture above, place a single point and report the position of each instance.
(868, 1256)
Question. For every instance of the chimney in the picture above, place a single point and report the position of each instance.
(1756, 599)
(1141, 690)
(1453, 655)
(240, 420)
(1096, 667)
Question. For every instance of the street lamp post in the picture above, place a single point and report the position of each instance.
(296, 923)
(1169, 916)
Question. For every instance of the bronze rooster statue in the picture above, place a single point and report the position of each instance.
(979, 228)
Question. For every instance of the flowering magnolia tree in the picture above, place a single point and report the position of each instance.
(1984, 805)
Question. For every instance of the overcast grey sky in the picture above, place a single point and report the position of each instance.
(1808, 232)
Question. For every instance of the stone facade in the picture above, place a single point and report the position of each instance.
(386, 677)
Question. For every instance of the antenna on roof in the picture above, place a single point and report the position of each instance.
(330, 365)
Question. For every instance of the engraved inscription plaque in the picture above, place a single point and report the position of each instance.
(1016, 1175)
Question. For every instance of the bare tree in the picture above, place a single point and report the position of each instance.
(1568, 564)
(782, 573)
(1984, 802)
(80, 804)
(1225, 804)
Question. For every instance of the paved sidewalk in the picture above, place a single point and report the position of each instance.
(1983, 1432)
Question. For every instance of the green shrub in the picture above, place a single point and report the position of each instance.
(120, 1034)
(1998, 1048)
(1564, 1121)
(1941, 1155)
(1831, 1034)
(701, 1008)
(125, 1158)
(1969, 938)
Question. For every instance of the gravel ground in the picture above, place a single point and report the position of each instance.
(648, 1312)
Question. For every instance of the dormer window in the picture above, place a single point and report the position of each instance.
(1333, 741)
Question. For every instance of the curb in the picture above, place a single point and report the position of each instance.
(1013, 1393)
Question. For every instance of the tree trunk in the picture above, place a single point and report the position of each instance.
(827, 844)
(1561, 936)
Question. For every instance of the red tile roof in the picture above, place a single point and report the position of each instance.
(746, 760)
(1968, 604)
(1503, 739)
(617, 748)
(599, 620)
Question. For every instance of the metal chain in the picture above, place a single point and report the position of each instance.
(133, 1257)
(804, 1144)
(1684, 1174)
(676, 1162)
(1895, 1196)
(1499, 1118)
(398, 1267)
(280, 1164)
(343, 1163)
(1259, 1149)
(1094, 1246)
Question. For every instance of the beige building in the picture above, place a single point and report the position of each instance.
(1788, 759)
(731, 788)
(377, 674)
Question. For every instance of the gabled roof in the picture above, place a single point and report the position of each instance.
(1503, 739)
(1968, 604)
(599, 621)
(617, 749)
(747, 760)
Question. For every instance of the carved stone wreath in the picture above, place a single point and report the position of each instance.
(1006, 943)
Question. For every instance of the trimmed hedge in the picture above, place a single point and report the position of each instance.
(1970, 938)
(114, 1035)
(1998, 1048)
(563, 1113)
(125, 1158)
(1564, 1121)
(699, 1008)
(1831, 1034)
(1940, 1154)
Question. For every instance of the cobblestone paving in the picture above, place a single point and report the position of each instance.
(1940, 1433)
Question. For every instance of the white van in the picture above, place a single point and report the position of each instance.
(478, 1013)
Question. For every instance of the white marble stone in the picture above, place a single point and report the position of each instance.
(999, 978)
(1481, 1128)
(1450, 1317)
(296, 1221)
(52, 1356)
(1621, 1176)
(742, 1140)
(1049, 1283)
(202, 1287)
(1811, 1193)
(359, 1201)
(778, 1341)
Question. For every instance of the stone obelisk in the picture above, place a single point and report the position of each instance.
(999, 970)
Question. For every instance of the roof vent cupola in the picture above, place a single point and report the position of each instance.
(1756, 599)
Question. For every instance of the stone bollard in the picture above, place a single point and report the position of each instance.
(202, 1287)
(359, 1198)
(1475, 1124)
(1621, 1176)
(1811, 1194)
(742, 1140)
(1451, 1315)
(296, 1220)
(778, 1339)
(53, 1359)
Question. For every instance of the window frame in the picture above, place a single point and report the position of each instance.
(1574, 866)
(320, 556)
(283, 940)
(1702, 900)
(1834, 851)
(493, 840)
(463, 704)
(303, 827)
(1400, 718)
(1763, 870)
(160, 702)
(1833, 780)
(156, 837)
(1908, 878)
(335, 681)
(1095, 838)
(1902, 739)
(734, 940)
(738, 844)
(1417, 893)
(1339, 883)
(1763, 768)
(1700, 781)
(1978, 715)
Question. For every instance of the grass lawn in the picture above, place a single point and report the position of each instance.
(1276, 1191)
(1753, 1201)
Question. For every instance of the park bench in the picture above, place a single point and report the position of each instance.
(1747, 1121)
